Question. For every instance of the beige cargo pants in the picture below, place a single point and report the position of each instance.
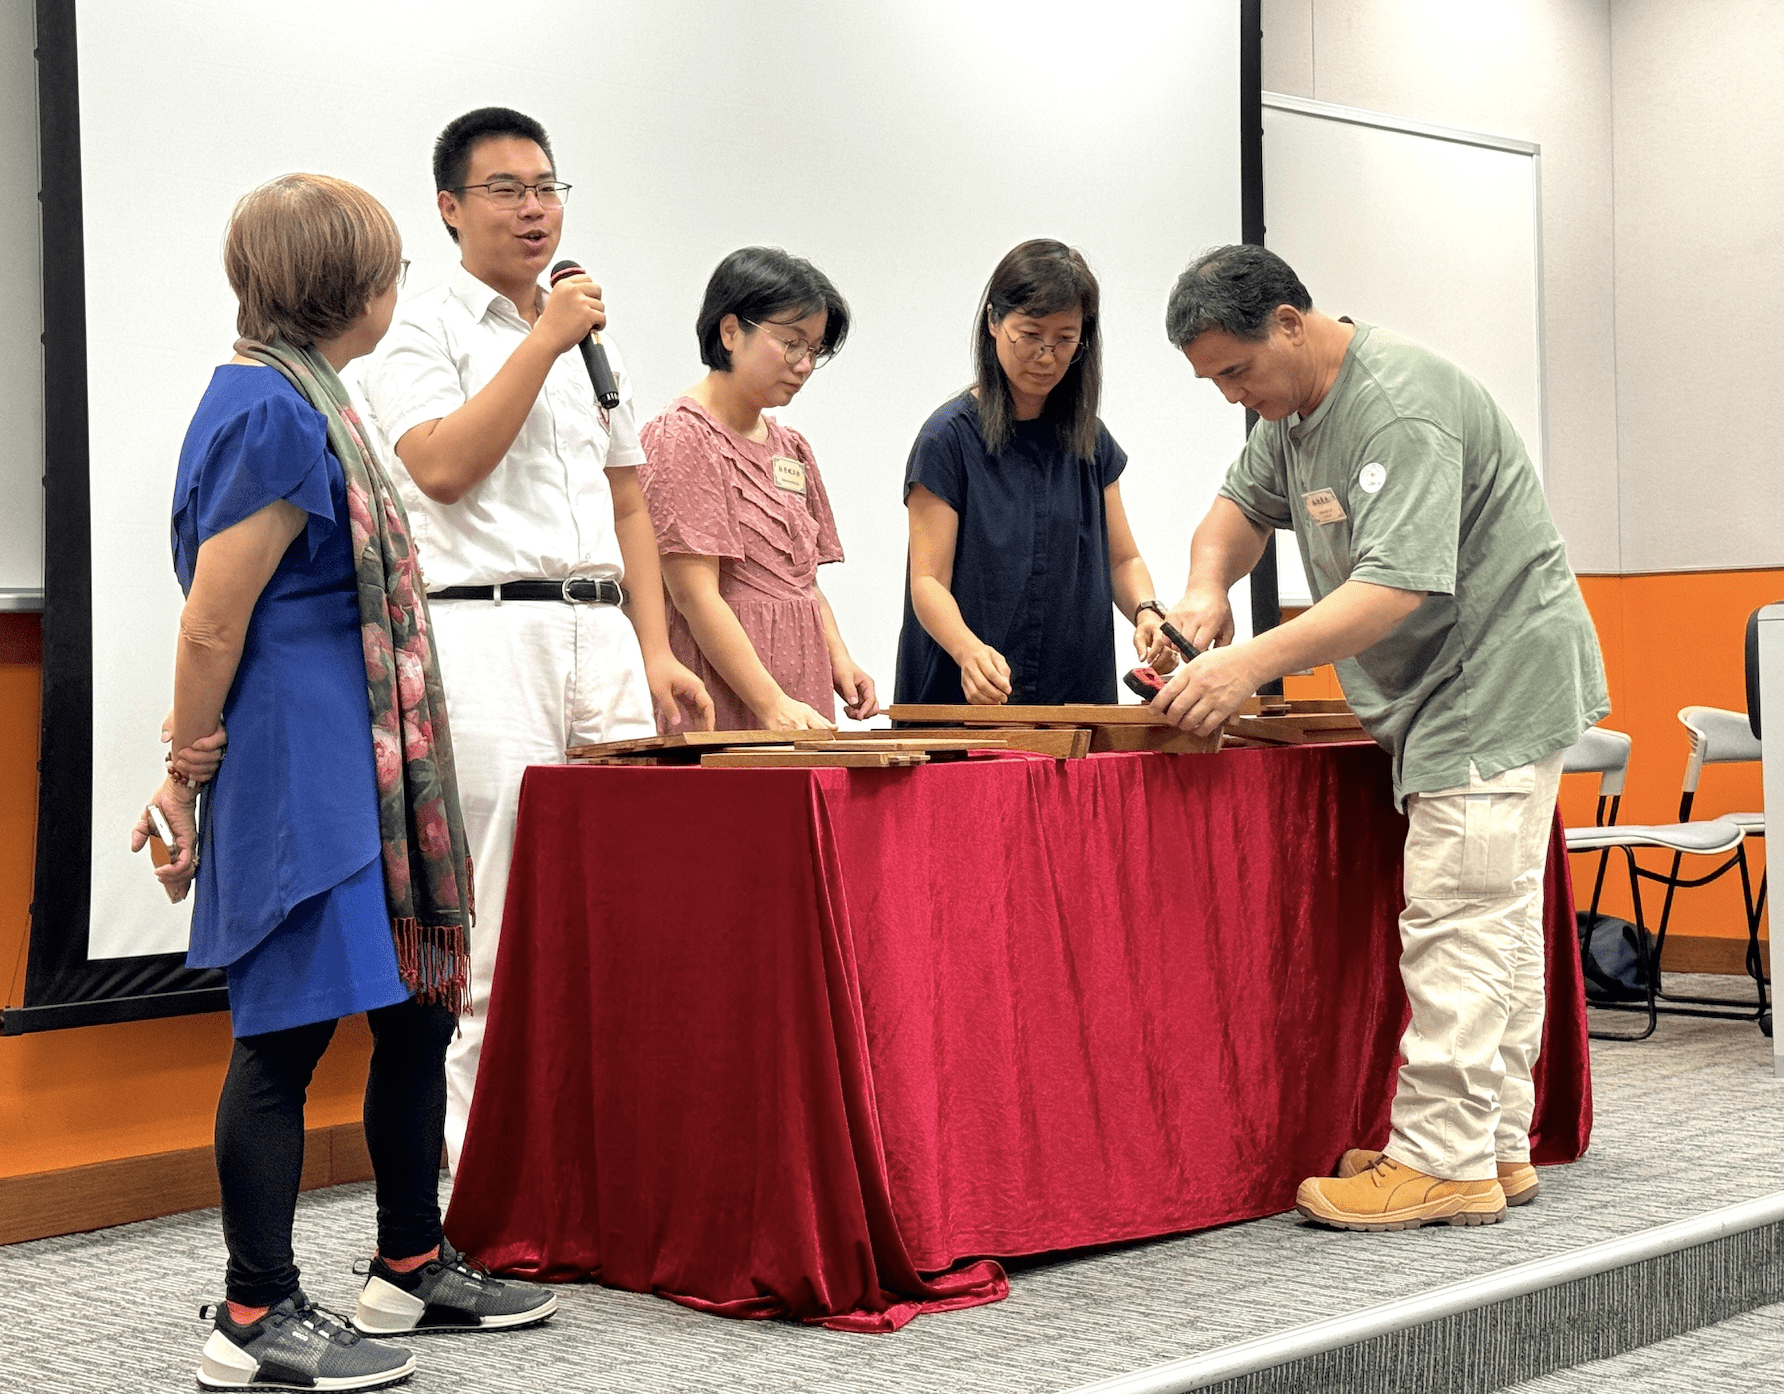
(1471, 956)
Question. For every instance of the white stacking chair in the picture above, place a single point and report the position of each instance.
(1722, 737)
(1606, 753)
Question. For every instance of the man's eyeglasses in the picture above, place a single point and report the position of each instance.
(1030, 347)
(795, 351)
(511, 193)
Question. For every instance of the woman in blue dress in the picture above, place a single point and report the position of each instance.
(328, 857)
(1020, 548)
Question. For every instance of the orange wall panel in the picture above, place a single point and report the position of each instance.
(101, 1093)
(1670, 641)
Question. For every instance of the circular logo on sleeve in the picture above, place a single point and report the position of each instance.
(1372, 477)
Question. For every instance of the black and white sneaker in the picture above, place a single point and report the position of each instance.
(296, 1345)
(446, 1294)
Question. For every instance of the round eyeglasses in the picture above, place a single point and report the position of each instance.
(795, 351)
(1031, 347)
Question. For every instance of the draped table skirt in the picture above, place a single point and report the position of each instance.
(799, 1042)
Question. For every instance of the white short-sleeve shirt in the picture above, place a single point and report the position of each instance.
(545, 511)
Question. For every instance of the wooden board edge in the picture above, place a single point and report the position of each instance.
(811, 760)
(73, 1200)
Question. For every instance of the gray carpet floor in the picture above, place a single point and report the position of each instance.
(1686, 1122)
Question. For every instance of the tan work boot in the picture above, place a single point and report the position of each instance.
(1386, 1195)
(1518, 1180)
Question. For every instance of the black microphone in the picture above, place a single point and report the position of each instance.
(594, 357)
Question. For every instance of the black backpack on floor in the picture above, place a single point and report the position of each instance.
(1614, 958)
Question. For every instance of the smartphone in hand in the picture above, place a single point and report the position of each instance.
(163, 846)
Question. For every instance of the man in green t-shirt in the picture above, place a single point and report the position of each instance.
(1443, 595)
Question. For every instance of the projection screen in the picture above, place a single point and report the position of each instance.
(902, 146)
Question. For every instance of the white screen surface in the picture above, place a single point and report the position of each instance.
(21, 309)
(1430, 236)
(902, 147)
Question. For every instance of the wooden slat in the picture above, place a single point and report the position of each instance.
(679, 740)
(1311, 729)
(916, 742)
(1291, 706)
(811, 759)
(1072, 714)
(1167, 740)
(1061, 744)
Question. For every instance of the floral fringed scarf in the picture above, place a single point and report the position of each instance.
(427, 868)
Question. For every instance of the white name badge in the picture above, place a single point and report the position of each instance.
(1323, 506)
(789, 475)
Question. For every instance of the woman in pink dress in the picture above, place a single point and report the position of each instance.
(741, 516)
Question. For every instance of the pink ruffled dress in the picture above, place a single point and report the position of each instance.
(712, 493)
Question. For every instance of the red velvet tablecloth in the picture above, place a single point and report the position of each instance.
(798, 1042)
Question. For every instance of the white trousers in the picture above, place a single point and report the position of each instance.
(524, 680)
(1471, 956)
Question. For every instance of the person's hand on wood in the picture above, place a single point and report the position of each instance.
(856, 689)
(681, 699)
(985, 676)
(1208, 690)
(790, 714)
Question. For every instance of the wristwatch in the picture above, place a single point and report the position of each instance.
(1153, 606)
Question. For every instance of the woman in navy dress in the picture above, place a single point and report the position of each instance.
(292, 855)
(1020, 549)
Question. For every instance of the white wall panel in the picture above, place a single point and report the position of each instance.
(1534, 70)
(1699, 245)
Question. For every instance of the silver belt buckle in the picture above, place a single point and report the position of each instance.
(564, 589)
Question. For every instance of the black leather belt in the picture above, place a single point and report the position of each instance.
(574, 590)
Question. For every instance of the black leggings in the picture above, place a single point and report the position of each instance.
(260, 1141)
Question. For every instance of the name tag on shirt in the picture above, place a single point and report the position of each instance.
(789, 475)
(1323, 506)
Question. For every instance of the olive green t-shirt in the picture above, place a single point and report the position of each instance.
(1408, 475)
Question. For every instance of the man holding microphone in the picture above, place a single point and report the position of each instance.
(527, 513)
(1444, 597)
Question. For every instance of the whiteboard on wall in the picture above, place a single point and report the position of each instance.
(1432, 232)
(895, 145)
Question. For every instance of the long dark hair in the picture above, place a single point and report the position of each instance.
(1038, 278)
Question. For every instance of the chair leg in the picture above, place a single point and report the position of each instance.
(1604, 861)
(1755, 964)
(1649, 962)
(1672, 887)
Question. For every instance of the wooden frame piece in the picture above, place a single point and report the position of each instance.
(1060, 743)
(679, 740)
(1317, 728)
(1167, 740)
(812, 759)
